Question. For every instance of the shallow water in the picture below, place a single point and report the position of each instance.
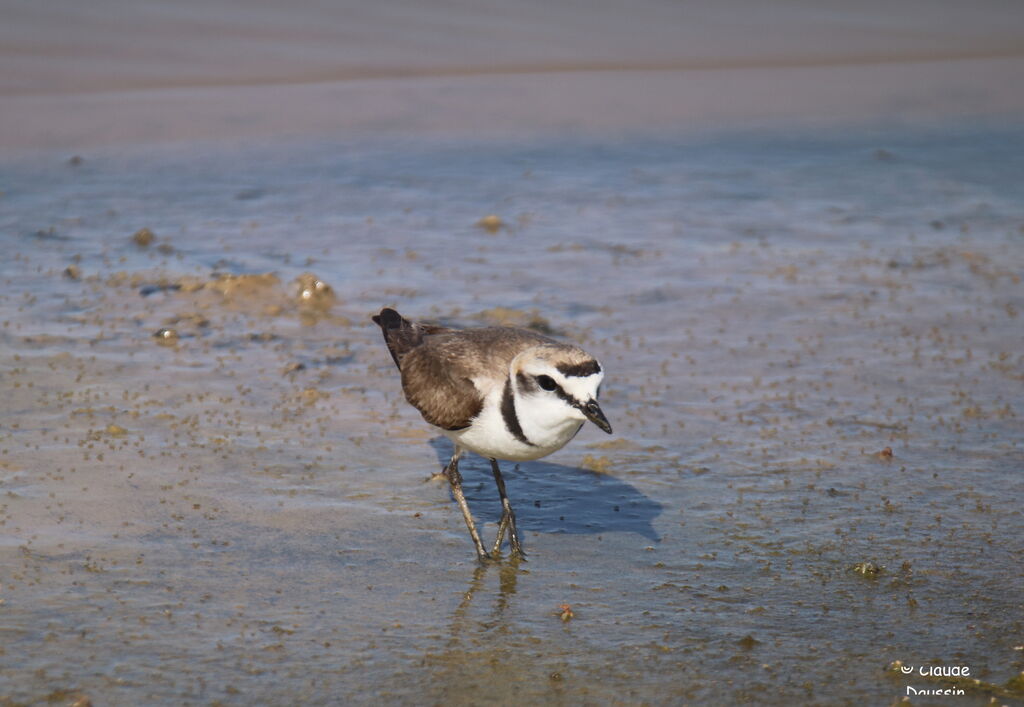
(239, 513)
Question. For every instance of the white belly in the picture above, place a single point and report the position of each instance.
(489, 437)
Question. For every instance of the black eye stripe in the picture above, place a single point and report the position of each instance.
(525, 383)
(546, 382)
(566, 397)
(531, 383)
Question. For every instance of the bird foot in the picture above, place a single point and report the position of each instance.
(508, 522)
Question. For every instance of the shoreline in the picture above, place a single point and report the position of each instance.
(513, 105)
(345, 75)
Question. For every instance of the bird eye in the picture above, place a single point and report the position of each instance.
(546, 382)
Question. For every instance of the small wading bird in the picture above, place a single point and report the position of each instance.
(503, 393)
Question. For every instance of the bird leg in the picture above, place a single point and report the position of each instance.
(508, 518)
(455, 479)
(502, 526)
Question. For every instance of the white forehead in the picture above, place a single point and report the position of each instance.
(583, 388)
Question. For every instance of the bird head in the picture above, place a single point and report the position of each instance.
(560, 382)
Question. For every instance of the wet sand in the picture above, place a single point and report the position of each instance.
(211, 490)
(238, 512)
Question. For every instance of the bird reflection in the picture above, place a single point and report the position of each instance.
(508, 577)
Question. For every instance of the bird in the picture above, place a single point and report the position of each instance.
(502, 392)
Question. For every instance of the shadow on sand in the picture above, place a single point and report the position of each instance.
(552, 498)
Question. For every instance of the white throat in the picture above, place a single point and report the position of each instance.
(547, 422)
(533, 427)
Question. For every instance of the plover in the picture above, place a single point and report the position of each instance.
(501, 392)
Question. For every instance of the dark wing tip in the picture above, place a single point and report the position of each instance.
(388, 319)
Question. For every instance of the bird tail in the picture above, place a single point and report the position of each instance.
(400, 334)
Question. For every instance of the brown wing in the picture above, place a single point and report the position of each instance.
(437, 375)
(443, 393)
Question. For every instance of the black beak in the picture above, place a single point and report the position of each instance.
(593, 412)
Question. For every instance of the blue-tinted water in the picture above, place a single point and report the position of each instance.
(240, 516)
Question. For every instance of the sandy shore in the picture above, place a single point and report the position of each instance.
(813, 363)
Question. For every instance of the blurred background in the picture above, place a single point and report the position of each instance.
(115, 70)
